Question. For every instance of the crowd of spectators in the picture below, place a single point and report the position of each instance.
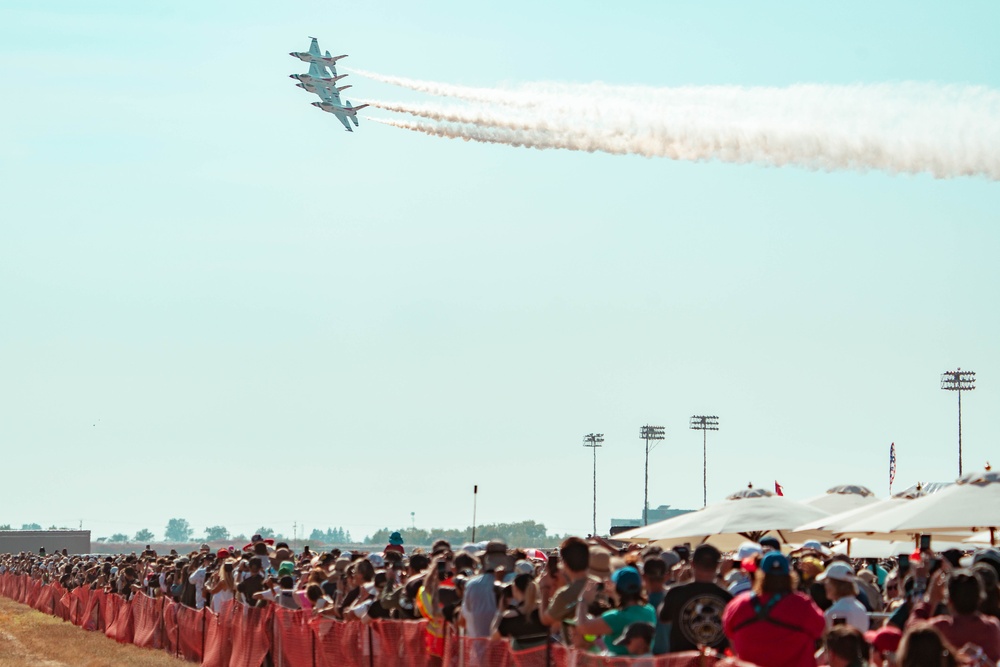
(809, 607)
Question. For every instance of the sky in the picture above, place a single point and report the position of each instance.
(215, 304)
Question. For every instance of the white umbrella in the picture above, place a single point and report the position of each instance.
(886, 549)
(842, 498)
(747, 515)
(972, 504)
(828, 527)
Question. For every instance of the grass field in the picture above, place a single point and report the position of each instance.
(28, 637)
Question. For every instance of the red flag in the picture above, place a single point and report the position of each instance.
(777, 488)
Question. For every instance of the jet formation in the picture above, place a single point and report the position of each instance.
(323, 83)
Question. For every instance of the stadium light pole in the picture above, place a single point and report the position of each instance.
(648, 433)
(959, 380)
(704, 423)
(594, 440)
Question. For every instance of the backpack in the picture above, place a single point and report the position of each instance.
(762, 612)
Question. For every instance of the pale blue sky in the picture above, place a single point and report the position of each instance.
(270, 320)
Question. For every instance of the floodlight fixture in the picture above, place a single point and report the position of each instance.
(959, 381)
(704, 423)
(594, 440)
(649, 434)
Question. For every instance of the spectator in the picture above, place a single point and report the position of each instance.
(631, 608)
(964, 624)
(637, 640)
(253, 582)
(845, 647)
(841, 587)
(693, 611)
(655, 571)
(575, 567)
(222, 586)
(924, 646)
(479, 602)
(774, 625)
(990, 604)
(521, 623)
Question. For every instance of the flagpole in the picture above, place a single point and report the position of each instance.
(892, 466)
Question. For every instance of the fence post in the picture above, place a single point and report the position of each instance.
(371, 650)
(275, 645)
(177, 619)
(204, 631)
(312, 633)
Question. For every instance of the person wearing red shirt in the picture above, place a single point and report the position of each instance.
(774, 625)
(964, 625)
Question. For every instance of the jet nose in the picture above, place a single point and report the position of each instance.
(292, 76)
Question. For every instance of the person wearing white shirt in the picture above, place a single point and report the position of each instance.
(841, 587)
(197, 578)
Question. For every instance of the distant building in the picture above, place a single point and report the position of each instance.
(16, 541)
(654, 515)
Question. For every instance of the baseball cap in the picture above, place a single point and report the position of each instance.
(774, 563)
(222, 553)
(886, 639)
(770, 542)
(837, 571)
(990, 555)
(670, 558)
(636, 631)
(287, 567)
(524, 567)
(376, 560)
(627, 580)
(747, 549)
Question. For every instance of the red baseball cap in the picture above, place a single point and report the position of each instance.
(885, 639)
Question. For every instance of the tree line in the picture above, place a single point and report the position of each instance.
(523, 534)
(180, 530)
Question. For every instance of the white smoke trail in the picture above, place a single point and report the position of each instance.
(909, 128)
(488, 135)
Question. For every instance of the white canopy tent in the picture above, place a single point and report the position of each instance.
(842, 499)
(887, 549)
(746, 515)
(972, 504)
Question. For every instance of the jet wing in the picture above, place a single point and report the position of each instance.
(343, 119)
(329, 95)
(317, 71)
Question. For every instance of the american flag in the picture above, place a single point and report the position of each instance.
(892, 465)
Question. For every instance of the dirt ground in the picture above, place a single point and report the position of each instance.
(28, 637)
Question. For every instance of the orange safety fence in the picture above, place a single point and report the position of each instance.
(146, 621)
(293, 642)
(250, 642)
(340, 645)
(400, 643)
(243, 636)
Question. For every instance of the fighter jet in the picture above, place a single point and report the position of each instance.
(320, 82)
(317, 76)
(334, 106)
(314, 56)
(311, 87)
